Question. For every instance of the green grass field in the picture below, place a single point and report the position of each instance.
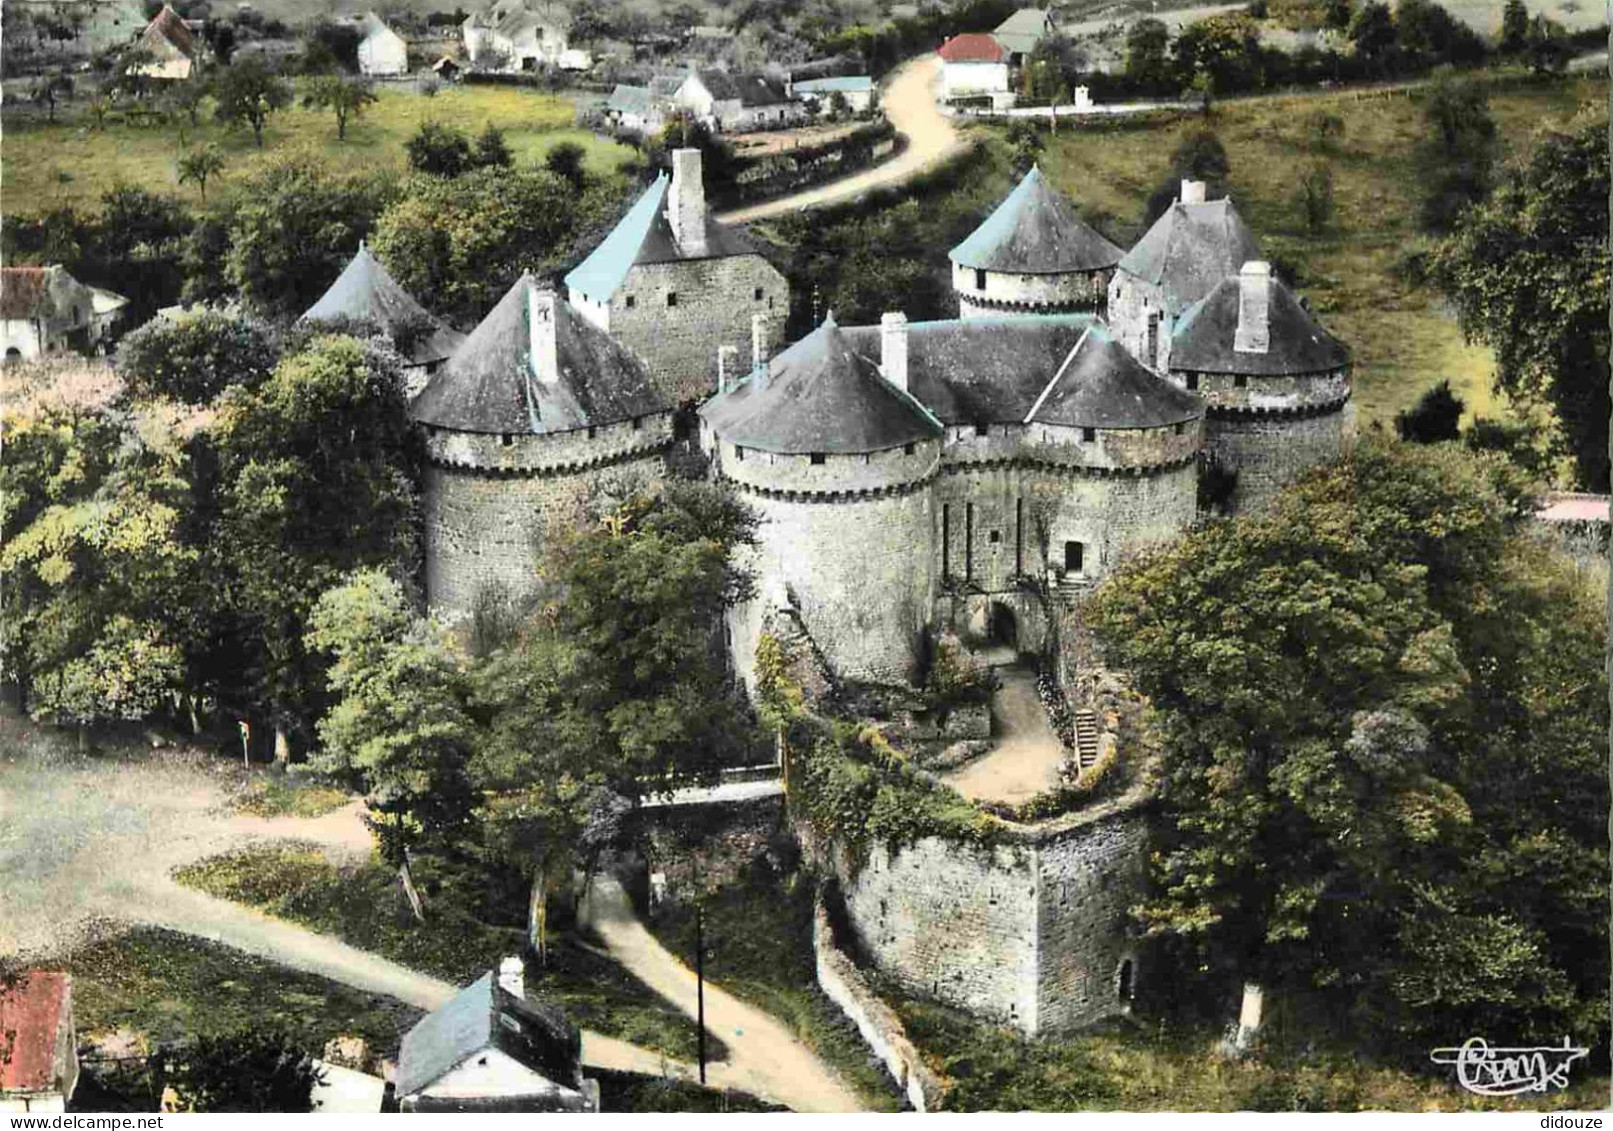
(1404, 342)
(73, 162)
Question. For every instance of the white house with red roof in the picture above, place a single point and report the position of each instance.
(975, 65)
(38, 1045)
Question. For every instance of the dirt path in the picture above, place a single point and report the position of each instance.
(1026, 757)
(909, 101)
(764, 1058)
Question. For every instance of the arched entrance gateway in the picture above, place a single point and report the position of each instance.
(1002, 626)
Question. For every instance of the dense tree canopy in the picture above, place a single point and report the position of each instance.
(1385, 709)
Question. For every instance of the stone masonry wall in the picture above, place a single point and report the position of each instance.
(1270, 451)
(715, 299)
(1003, 291)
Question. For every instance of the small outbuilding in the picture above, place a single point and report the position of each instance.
(859, 91)
(38, 1045)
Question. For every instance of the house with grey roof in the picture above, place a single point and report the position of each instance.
(492, 1048)
(1021, 32)
(686, 293)
(511, 36)
(46, 310)
(534, 404)
(1187, 252)
(365, 292)
(1033, 254)
(636, 109)
(737, 103)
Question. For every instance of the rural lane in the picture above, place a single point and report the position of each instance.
(909, 101)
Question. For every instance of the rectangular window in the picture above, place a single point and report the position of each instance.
(629, 302)
(1152, 352)
(994, 537)
(982, 429)
(638, 424)
(1019, 535)
(1088, 435)
(980, 279)
(592, 431)
(818, 457)
(1179, 428)
(908, 449)
(968, 540)
(1192, 380)
(1241, 381)
(1074, 556)
(739, 454)
(672, 298)
(946, 541)
(506, 439)
(758, 294)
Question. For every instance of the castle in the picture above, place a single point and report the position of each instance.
(976, 475)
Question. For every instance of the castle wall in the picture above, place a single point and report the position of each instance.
(715, 299)
(1265, 394)
(486, 503)
(1131, 301)
(1016, 292)
(1269, 451)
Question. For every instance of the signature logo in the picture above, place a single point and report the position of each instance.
(1488, 1071)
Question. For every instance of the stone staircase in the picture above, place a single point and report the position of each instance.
(1086, 739)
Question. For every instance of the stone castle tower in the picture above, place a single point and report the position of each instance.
(534, 405)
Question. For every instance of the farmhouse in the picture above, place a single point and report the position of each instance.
(382, 51)
(509, 37)
(40, 1068)
(858, 90)
(974, 66)
(167, 47)
(730, 103)
(45, 310)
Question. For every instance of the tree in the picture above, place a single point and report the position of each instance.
(343, 97)
(194, 356)
(1527, 270)
(1372, 31)
(1314, 196)
(400, 728)
(1025, 142)
(566, 160)
(492, 151)
(316, 468)
(1325, 129)
(1199, 156)
(51, 88)
(1435, 417)
(249, 92)
(1461, 152)
(197, 166)
(1547, 47)
(330, 47)
(186, 97)
(1220, 54)
(251, 1070)
(438, 150)
(1379, 704)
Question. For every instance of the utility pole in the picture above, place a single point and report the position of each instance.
(700, 980)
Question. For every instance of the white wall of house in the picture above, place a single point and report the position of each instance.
(383, 52)
(961, 79)
(23, 335)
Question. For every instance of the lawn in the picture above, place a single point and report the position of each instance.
(1403, 339)
(271, 793)
(73, 162)
(363, 905)
(1134, 1066)
(759, 948)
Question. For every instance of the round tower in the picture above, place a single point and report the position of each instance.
(838, 461)
(534, 405)
(1032, 255)
(1276, 384)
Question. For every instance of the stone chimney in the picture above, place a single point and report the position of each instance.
(512, 976)
(1193, 192)
(1254, 308)
(722, 367)
(893, 348)
(686, 203)
(758, 343)
(541, 314)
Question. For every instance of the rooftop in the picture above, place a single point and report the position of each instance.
(168, 25)
(1023, 30)
(501, 381)
(819, 395)
(972, 47)
(30, 1017)
(1204, 338)
(366, 290)
(1102, 386)
(845, 83)
(1036, 231)
(485, 1015)
(1190, 249)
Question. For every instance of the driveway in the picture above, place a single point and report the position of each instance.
(909, 100)
(1026, 755)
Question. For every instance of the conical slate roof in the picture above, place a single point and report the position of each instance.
(365, 290)
(499, 382)
(1190, 249)
(1101, 385)
(1035, 231)
(1204, 338)
(820, 395)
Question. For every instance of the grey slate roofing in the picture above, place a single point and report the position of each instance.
(629, 99)
(981, 370)
(750, 89)
(644, 235)
(1022, 31)
(536, 1035)
(665, 86)
(1203, 339)
(366, 290)
(820, 395)
(849, 84)
(1190, 249)
(490, 384)
(1035, 231)
(1102, 386)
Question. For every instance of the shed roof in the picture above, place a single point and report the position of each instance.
(981, 370)
(366, 290)
(484, 1015)
(375, 26)
(494, 383)
(1102, 386)
(644, 235)
(1190, 249)
(972, 47)
(846, 84)
(1023, 30)
(1036, 231)
(31, 1016)
(629, 99)
(820, 395)
(1203, 339)
(166, 27)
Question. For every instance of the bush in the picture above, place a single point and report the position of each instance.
(1433, 419)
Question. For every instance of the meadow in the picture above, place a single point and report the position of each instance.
(73, 161)
(1403, 337)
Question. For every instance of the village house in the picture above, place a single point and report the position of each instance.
(1021, 32)
(167, 48)
(510, 37)
(38, 1044)
(382, 51)
(636, 109)
(859, 91)
(974, 66)
(737, 103)
(491, 1048)
(45, 310)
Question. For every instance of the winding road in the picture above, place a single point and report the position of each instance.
(909, 101)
